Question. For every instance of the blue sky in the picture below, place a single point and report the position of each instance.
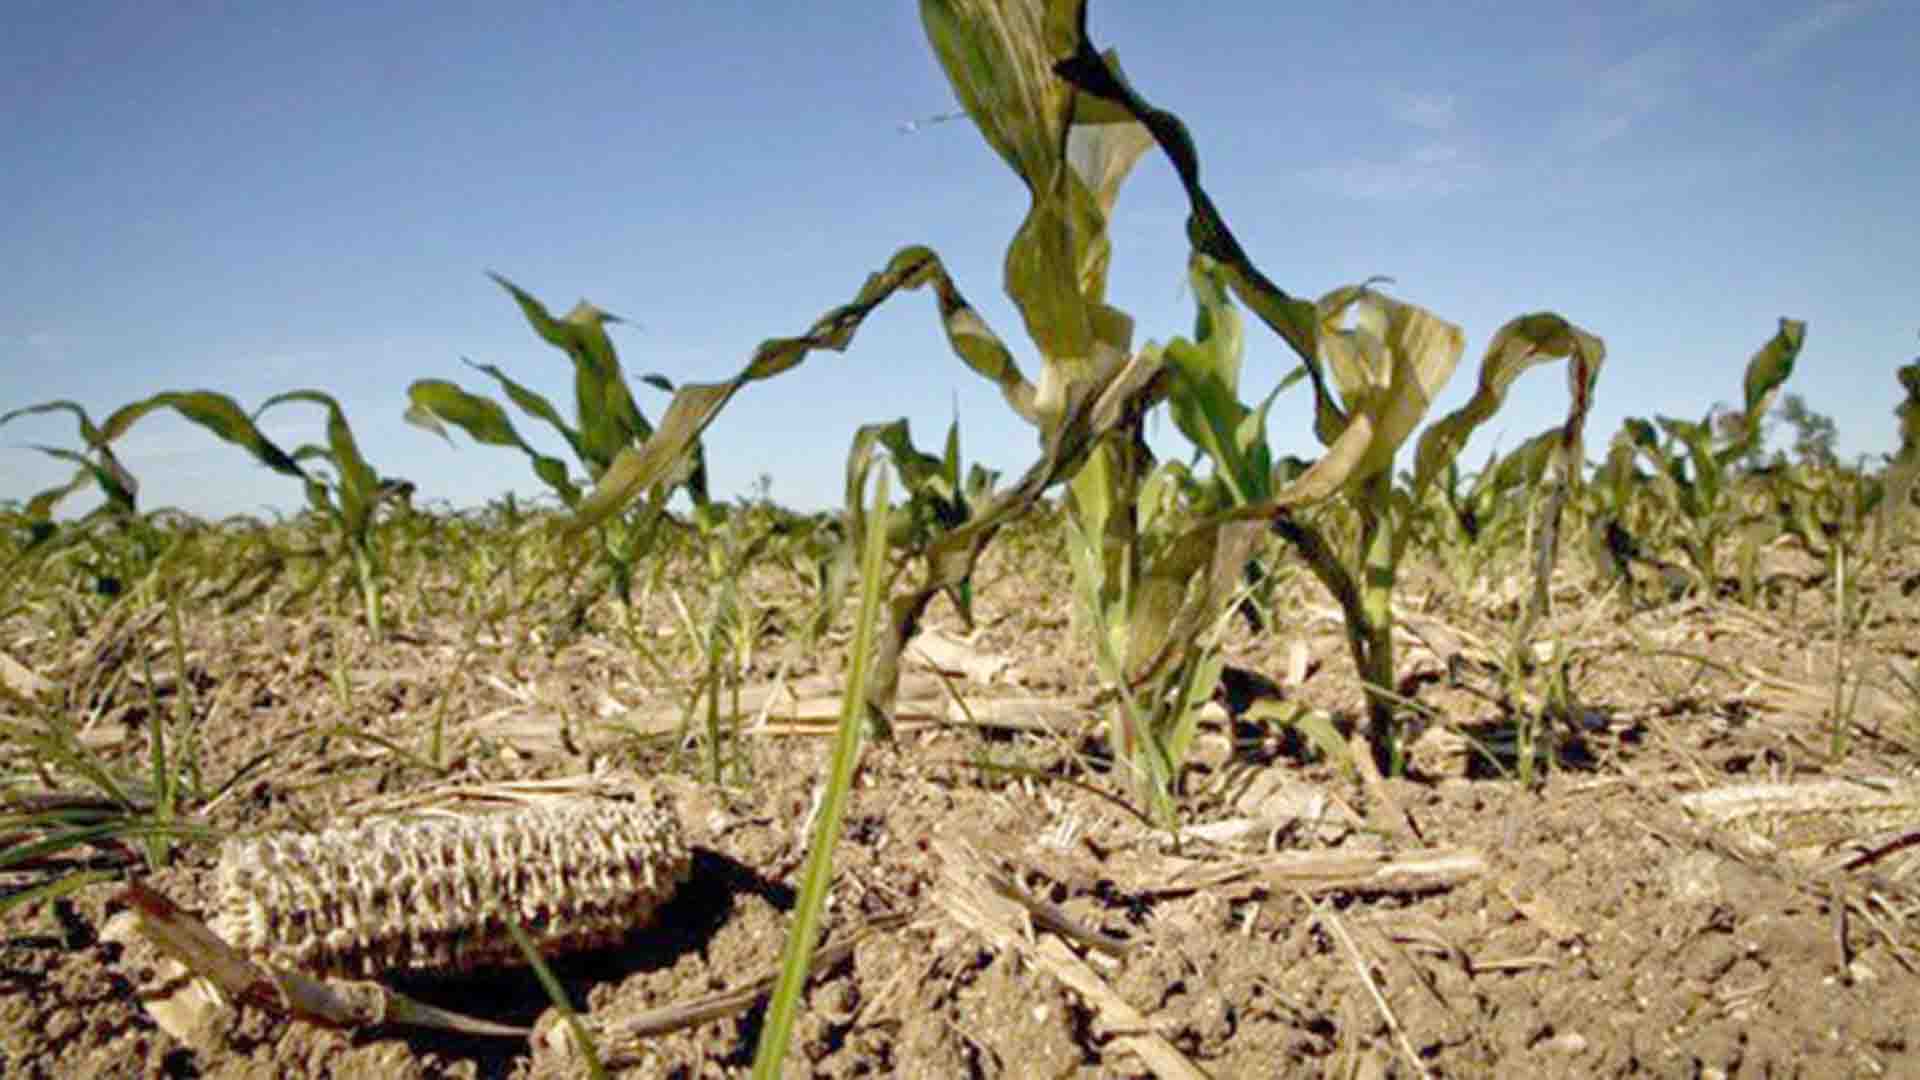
(272, 196)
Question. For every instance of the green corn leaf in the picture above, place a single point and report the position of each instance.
(1771, 364)
(921, 474)
(1315, 725)
(89, 434)
(1640, 434)
(609, 420)
(1205, 397)
(53, 890)
(115, 482)
(359, 485)
(217, 413)
(934, 505)
(1767, 370)
(112, 482)
(693, 476)
(433, 403)
(214, 411)
(861, 458)
(950, 466)
(1161, 494)
(39, 509)
(537, 406)
(637, 469)
(1704, 473)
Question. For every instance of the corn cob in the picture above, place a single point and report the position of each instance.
(432, 894)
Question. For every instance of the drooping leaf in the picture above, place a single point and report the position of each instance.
(217, 413)
(1767, 370)
(90, 435)
(39, 509)
(1073, 154)
(1390, 365)
(537, 406)
(117, 484)
(1296, 321)
(638, 469)
(119, 495)
(1522, 343)
(433, 403)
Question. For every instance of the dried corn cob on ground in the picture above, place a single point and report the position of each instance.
(433, 894)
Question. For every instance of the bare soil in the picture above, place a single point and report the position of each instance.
(1602, 924)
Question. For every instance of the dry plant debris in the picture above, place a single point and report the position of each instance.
(434, 894)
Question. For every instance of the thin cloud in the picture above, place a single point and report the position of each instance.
(1623, 95)
(1441, 163)
(40, 340)
(1426, 171)
(1428, 112)
(1783, 42)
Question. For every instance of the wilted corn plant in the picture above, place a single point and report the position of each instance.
(1373, 381)
(942, 495)
(1698, 484)
(606, 423)
(729, 543)
(1833, 508)
(1470, 521)
(1073, 139)
(1904, 469)
(347, 501)
(111, 544)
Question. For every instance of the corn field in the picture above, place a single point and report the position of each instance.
(1597, 757)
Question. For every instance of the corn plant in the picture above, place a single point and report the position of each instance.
(96, 462)
(1845, 515)
(812, 550)
(1372, 382)
(108, 545)
(347, 501)
(1904, 468)
(606, 422)
(1697, 482)
(728, 545)
(1469, 520)
(941, 497)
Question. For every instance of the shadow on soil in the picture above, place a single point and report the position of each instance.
(686, 925)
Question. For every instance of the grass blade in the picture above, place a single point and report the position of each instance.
(818, 874)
